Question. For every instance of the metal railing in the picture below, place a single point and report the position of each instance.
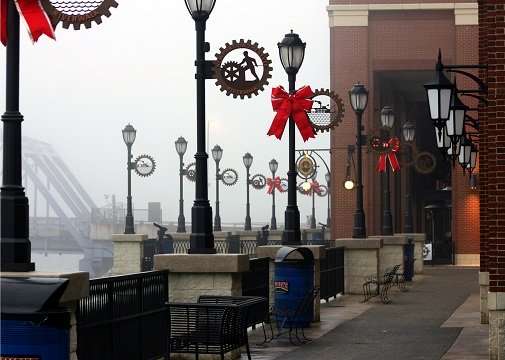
(332, 273)
(124, 317)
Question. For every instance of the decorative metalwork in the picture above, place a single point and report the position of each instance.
(144, 165)
(77, 12)
(258, 181)
(231, 75)
(323, 191)
(326, 117)
(306, 166)
(425, 162)
(229, 177)
(302, 191)
(284, 184)
(191, 172)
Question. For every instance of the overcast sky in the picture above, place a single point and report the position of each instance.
(137, 67)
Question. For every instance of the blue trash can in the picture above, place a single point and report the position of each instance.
(293, 278)
(32, 324)
(408, 266)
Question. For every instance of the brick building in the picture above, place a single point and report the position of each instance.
(391, 47)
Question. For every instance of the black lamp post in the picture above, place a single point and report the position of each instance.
(291, 53)
(313, 190)
(180, 146)
(387, 121)
(274, 165)
(16, 246)
(409, 132)
(217, 155)
(359, 99)
(129, 134)
(201, 239)
(328, 194)
(248, 159)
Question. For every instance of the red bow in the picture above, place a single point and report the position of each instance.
(314, 188)
(295, 105)
(34, 16)
(394, 145)
(274, 183)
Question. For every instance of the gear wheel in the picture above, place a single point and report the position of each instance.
(231, 177)
(144, 165)
(425, 162)
(243, 91)
(231, 71)
(191, 172)
(258, 181)
(77, 12)
(324, 119)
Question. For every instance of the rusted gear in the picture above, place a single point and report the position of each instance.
(77, 12)
(323, 191)
(425, 162)
(247, 89)
(284, 184)
(191, 172)
(231, 71)
(324, 118)
(144, 165)
(258, 181)
(229, 177)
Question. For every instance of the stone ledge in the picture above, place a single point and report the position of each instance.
(129, 237)
(418, 237)
(352, 243)
(202, 263)
(496, 301)
(77, 288)
(391, 239)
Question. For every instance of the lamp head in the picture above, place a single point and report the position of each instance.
(273, 164)
(181, 145)
(358, 97)
(129, 134)
(217, 153)
(291, 52)
(248, 159)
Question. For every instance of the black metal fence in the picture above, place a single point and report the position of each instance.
(255, 282)
(124, 317)
(332, 273)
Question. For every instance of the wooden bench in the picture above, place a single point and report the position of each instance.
(382, 284)
(215, 325)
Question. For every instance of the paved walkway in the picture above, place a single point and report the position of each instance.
(438, 318)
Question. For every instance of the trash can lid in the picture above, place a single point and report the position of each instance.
(28, 295)
(285, 251)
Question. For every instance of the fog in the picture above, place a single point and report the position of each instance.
(77, 93)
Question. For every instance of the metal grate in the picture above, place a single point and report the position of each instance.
(76, 7)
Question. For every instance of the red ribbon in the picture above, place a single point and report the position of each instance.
(295, 105)
(34, 16)
(394, 145)
(314, 188)
(274, 183)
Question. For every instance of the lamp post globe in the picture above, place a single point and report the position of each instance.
(248, 159)
(217, 155)
(291, 53)
(409, 133)
(387, 121)
(129, 134)
(180, 147)
(358, 97)
(273, 165)
(201, 240)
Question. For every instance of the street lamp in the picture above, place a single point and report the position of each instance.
(328, 194)
(273, 165)
(359, 99)
(129, 134)
(409, 132)
(291, 53)
(387, 121)
(15, 243)
(313, 193)
(180, 146)
(201, 239)
(248, 159)
(217, 154)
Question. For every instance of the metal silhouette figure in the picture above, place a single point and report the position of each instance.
(250, 64)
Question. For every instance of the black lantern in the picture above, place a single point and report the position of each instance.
(129, 134)
(387, 117)
(439, 91)
(358, 97)
(465, 152)
(291, 52)
(456, 123)
(273, 165)
(327, 177)
(217, 155)
(180, 146)
(200, 7)
(409, 132)
(248, 160)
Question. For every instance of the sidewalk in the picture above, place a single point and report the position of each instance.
(438, 318)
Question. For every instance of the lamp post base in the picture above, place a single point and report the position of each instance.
(201, 240)
(292, 234)
(181, 224)
(359, 230)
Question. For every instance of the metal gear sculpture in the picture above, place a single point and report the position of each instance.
(326, 117)
(258, 181)
(77, 12)
(144, 165)
(230, 75)
(229, 177)
(425, 162)
(191, 172)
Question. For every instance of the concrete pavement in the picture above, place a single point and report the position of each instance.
(438, 318)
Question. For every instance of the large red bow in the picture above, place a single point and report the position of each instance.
(295, 105)
(274, 183)
(394, 145)
(34, 16)
(314, 187)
